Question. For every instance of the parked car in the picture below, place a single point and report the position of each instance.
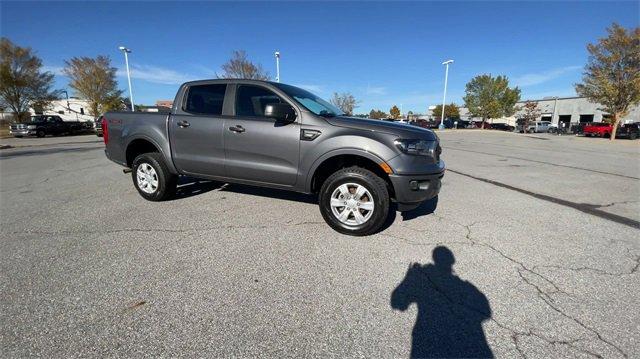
(42, 125)
(629, 130)
(97, 126)
(539, 127)
(279, 136)
(451, 123)
(502, 127)
(603, 129)
(598, 129)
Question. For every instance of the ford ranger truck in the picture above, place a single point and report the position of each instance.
(279, 136)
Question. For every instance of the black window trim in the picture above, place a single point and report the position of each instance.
(283, 98)
(183, 107)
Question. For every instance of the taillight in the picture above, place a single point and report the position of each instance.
(105, 130)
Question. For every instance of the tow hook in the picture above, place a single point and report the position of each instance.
(127, 170)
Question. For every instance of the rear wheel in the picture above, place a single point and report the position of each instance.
(152, 178)
(354, 201)
(633, 136)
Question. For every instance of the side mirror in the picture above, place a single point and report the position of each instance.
(280, 112)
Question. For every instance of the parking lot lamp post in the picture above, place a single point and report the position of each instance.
(277, 66)
(126, 61)
(444, 97)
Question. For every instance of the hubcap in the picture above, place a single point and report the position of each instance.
(147, 178)
(352, 204)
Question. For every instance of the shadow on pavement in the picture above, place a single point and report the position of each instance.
(426, 208)
(450, 310)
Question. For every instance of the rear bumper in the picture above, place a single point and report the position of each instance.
(411, 190)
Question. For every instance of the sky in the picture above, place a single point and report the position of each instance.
(384, 53)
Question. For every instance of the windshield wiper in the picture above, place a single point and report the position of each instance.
(327, 114)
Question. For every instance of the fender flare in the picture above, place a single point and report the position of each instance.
(168, 160)
(342, 151)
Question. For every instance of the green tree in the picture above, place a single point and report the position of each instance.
(344, 101)
(22, 81)
(394, 112)
(95, 81)
(377, 114)
(612, 74)
(450, 111)
(240, 67)
(491, 97)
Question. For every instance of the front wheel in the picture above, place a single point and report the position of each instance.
(152, 178)
(354, 201)
(40, 133)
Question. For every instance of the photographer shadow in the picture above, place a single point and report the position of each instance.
(450, 310)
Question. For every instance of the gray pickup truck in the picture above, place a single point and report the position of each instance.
(279, 136)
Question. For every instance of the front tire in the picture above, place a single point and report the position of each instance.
(354, 201)
(151, 177)
(40, 133)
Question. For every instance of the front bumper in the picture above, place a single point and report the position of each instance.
(22, 132)
(411, 190)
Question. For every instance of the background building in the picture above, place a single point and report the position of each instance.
(569, 110)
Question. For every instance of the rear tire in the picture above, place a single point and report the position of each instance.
(633, 136)
(151, 177)
(365, 198)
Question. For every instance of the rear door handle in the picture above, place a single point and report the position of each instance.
(183, 124)
(238, 129)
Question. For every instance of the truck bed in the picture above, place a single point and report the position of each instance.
(124, 126)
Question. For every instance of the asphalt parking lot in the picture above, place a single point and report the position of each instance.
(530, 250)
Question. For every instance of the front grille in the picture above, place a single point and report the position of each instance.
(18, 126)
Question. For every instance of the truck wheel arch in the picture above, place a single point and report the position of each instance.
(333, 161)
(138, 146)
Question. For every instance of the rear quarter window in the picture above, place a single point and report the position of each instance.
(205, 99)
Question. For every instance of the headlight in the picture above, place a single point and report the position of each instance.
(31, 127)
(417, 147)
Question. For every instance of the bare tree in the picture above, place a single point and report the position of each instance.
(240, 67)
(345, 101)
(612, 74)
(531, 114)
(22, 81)
(95, 81)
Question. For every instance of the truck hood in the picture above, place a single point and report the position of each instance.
(400, 129)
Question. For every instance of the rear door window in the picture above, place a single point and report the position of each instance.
(205, 99)
(251, 100)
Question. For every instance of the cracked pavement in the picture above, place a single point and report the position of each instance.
(545, 230)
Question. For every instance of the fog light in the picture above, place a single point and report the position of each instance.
(413, 185)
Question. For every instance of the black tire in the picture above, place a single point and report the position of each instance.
(166, 181)
(375, 185)
(99, 135)
(633, 136)
(40, 133)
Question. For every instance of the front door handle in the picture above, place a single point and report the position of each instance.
(183, 124)
(238, 129)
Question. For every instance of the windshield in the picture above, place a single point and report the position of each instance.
(310, 101)
(37, 118)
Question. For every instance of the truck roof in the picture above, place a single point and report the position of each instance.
(227, 81)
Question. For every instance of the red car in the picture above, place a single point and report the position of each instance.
(599, 129)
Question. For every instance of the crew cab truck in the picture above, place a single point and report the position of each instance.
(280, 136)
(42, 125)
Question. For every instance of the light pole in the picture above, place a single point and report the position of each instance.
(277, 66)
(126, 61)
(444, 97)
